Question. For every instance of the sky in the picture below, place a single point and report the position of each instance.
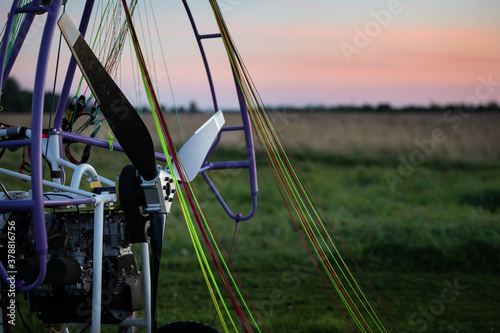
(317, 52)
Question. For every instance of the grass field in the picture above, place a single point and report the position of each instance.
(415, 198)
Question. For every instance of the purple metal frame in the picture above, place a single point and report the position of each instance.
(23, 32)
(70, 74)
(37, 204)
(246, 128)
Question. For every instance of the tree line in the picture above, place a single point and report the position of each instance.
(16, 99)
(387, 108)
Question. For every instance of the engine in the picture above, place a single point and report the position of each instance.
(66, 293)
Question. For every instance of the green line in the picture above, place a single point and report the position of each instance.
(168, 74)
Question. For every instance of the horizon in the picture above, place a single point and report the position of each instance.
(323, 53)
(366, 107)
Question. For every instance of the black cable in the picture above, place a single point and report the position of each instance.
(77, 210)
(4, 190)
(85, 328)
(229, 259)
(22, 318)
(47, 195)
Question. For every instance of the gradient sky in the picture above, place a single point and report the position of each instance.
(316, 52)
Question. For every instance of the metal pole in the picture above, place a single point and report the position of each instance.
(61, 106)
(146, 283)
(97, 265)
(36, 145)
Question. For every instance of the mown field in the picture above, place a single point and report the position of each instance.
(414, 197)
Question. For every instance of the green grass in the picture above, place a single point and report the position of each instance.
(440, 224)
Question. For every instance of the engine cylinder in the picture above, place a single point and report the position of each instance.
(63, 271)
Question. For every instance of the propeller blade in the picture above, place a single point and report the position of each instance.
(193, 152)
(126, 124)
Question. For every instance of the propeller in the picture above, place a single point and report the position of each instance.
(193, 152)
(124, 121)
(141, 184)
(134, 138)
(126, 124)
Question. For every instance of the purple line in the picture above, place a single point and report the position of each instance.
(16, 205)
(100, 143)
(236, 217)
(91, 141)
(61, 106)
(36, 146)
(15, 143)
(250, 163)
(37, 202)
(18, 43)
(32, 9)
(228, 165)
(232, 128)
(207, 36)
(203, 55)
(5, 42)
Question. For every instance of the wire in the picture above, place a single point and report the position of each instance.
(168, 75)
(85, 328)
(78, 212)
(22, 318)
(229, 258)
(57, 194)
(53, 95)
(4, 190)
(62, 329)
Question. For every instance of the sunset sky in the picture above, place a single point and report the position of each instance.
(316, 52)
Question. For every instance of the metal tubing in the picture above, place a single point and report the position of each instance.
(75, 167)
(236, 217)
(232, 128)
(14, 143)
(18, 43)
(32, 10)
(36, 146)
(208, 36)
(250, 164)
(79, 172)
(52, 203)
(61, 106)
(226, 165)
(203, 55)
(97, 266)
(16, 205)
(133, 322)
(146, 283)
(44, 182)
(248, 139)
(91, 141)
(101, 143)
(5, 41)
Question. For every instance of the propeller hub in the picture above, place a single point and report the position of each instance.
(159, 193)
